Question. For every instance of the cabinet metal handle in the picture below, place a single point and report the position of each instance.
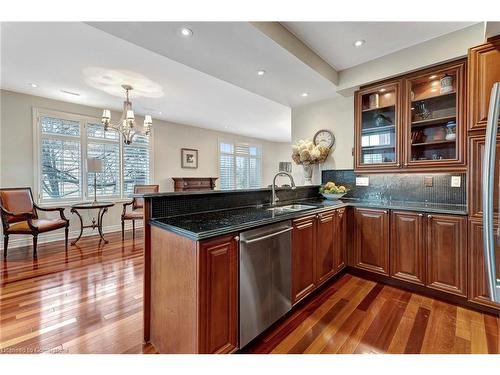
(267, 236)
(385, 211)
(429, 216)
(236, 238)
(406, 164)
(420, 215)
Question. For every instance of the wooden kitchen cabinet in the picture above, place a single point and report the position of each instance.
(326, 246)
(218, 329)
(447, 253)
(303, 257)
(377, 127)
(412, 122)
(434, 122)
(407, 254)
(340, 249)
(318, 250)
(371, 240)
(483, 72)
(476, 158)
(478, 289)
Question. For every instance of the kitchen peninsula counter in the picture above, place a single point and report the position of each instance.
(191, 262)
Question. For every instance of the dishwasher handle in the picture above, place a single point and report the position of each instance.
(267, 236)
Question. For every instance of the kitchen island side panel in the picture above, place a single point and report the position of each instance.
(174, 293)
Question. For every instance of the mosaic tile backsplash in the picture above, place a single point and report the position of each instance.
(182, 204)
(408, 187)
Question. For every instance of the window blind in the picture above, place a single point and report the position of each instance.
(240, 165)
(65, 143)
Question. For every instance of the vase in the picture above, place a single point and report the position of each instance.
(308, 173)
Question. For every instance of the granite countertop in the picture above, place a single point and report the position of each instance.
(210, 224)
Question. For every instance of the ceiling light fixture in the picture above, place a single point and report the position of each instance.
(359, 43)
(186, 32)
(34, 85)
(126, 125)
(305, 94)
(261, 72)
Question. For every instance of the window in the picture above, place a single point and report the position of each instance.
(66, 141)
(135, 164)
(240, 165)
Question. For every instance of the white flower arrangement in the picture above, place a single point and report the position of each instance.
(306, 152)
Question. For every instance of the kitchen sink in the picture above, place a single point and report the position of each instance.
(291, 208)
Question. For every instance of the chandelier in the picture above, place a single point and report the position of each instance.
(126, 125)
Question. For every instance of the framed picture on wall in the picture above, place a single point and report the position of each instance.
(189, 158)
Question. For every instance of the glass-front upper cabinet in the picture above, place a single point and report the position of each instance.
(377, 127)
(434, 118)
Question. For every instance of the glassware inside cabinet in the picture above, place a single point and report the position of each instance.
(433, 100)
(378, 126)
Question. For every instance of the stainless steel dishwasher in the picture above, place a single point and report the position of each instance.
(265, 278)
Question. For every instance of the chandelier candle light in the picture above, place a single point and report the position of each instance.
(126, 125)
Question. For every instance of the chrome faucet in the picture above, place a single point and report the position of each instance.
(274, 197)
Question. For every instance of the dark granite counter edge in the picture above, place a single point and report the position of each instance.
(243, 226)
(253, 224)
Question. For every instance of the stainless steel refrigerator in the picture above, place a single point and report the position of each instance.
(489, 167)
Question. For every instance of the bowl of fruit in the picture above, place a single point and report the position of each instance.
(332, 191)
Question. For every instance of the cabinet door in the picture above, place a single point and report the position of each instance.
(340, 249)
(218, 285)
(303, 257)
(325, 247)
(484, 71)
(435, 117)
(447, 253)
(478, 287)
(407, 247)
(476, 149)
(371, 249)
(377, 127)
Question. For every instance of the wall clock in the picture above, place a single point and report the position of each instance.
(324, 138)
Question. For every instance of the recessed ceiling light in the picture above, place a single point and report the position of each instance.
(186, 32)
(70, 93)
(225, 126)
(261, 72)
(160, 112)
(34, 85)
(359, 43)
(305, 94)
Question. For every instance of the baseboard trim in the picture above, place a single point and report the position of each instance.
(22, 240)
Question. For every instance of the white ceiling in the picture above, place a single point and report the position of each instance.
(208, 80)
(333, 41)
(58, 56)
(233, 52)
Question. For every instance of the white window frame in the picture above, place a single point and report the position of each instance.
(235, 143)
(83, 120)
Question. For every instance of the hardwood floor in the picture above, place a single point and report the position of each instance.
(359, 316)
(89, 300)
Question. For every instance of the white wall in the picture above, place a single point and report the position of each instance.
(336, 115)
(16, 151)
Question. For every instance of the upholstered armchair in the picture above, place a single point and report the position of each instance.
(137, 212)
(19, 215)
